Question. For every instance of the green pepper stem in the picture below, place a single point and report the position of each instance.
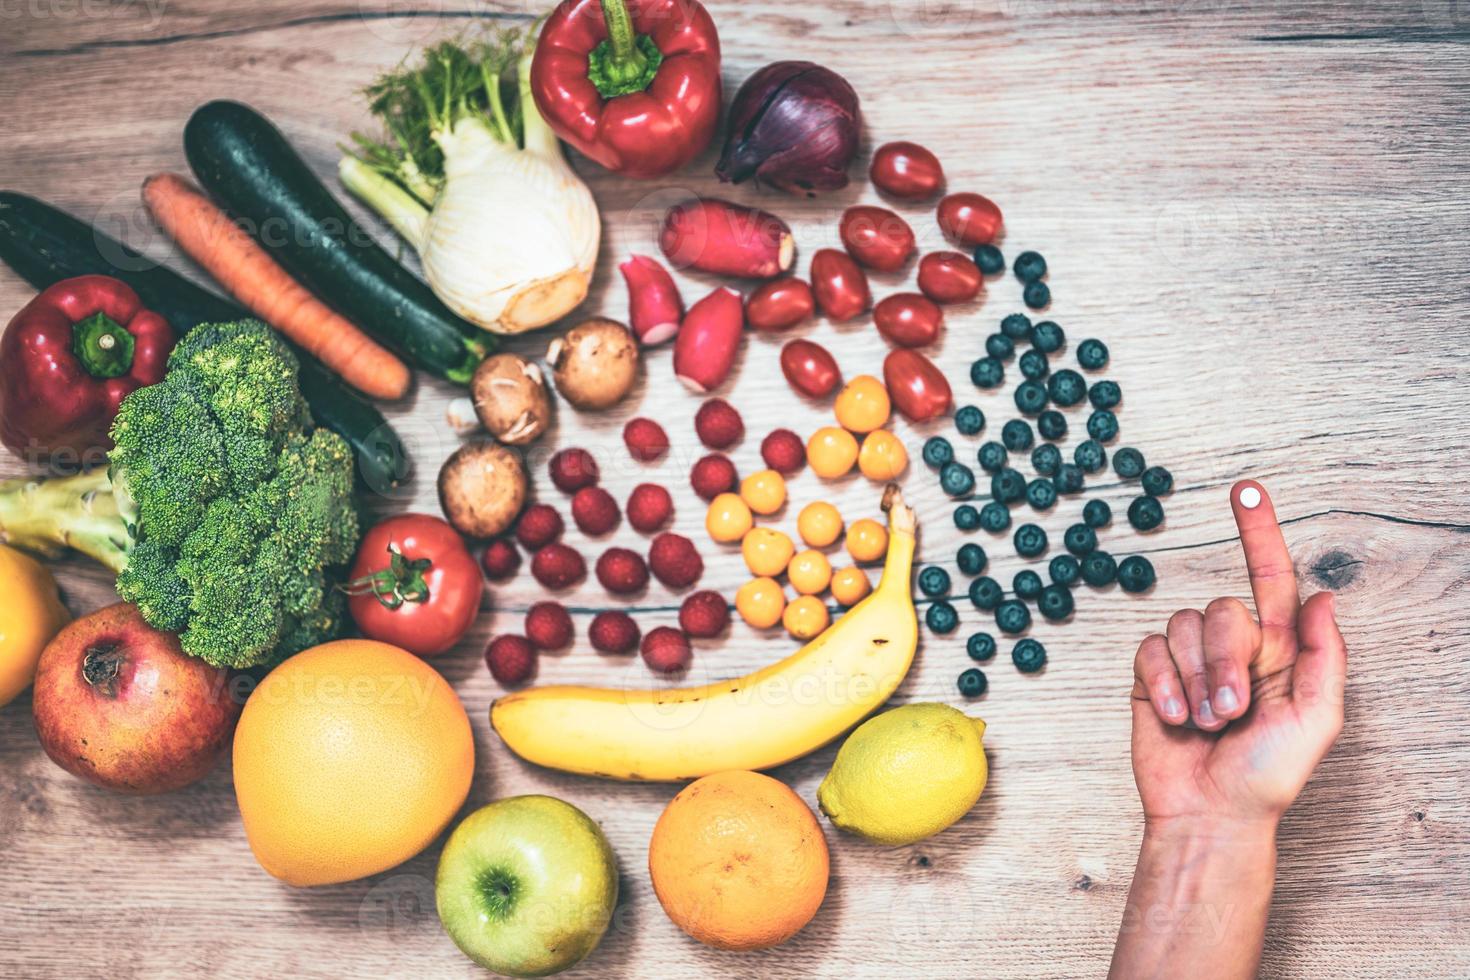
(627, 61)
(102, 346)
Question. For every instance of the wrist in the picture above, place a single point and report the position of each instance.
(1213, 830)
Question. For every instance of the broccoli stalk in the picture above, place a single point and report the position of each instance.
(77, 512)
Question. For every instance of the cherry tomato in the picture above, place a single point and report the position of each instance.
(918, 388)
(810, 368)
(779, 304)
(949, 277)
(970, 219)
(908, 320)
(876, 237)
(840, 286)
(414, 584)
(906, 171)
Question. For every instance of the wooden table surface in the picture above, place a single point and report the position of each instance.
(1262, 208)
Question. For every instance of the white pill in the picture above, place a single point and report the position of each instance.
(1250, 498)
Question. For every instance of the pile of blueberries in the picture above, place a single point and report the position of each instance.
(1040, 387)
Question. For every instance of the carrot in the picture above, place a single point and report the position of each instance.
(210, 238)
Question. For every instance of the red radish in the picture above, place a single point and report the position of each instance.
(908, 320)
(809, 368)
(906, 171)
(779, 304)
(705, 349)
(717, 236)
(950, 277)
(970, 219)
(840, 286)
(876, 237)
(654, 305)
(918, 388)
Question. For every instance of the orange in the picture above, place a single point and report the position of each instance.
(738, 861)
(350, 758)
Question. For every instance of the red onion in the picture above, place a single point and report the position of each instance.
(794, 126)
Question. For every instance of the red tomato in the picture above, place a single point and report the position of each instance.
(908, 320)
(840, 286)
(970, 219)
(876, 237)
(414, 584)
(949, 277)
(810, 369)
(906, 171)
(779, 304)
(917, 387)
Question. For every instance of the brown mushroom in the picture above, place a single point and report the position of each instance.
(595, 363)
(511, 399)
(482, 488)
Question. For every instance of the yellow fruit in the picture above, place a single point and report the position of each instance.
(809, 572)
(805, 617)
(728, 518)
(831, 451)
(862, 405)
(850, 585)
(906, 774)
(760, 602)
(32, 614)
(882, 457)
(350, 758)
(763, 492)
(766, 551)
(866, 540)
(738, 861)
(819, 524)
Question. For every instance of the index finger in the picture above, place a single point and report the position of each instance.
(1273, 580)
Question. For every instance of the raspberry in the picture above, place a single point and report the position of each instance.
(622, 572)
(539, 525)
(783, 451)
(511, 659)
(718, 424)
(613, 632)
(649, 507)
(548, 626)
(573, 469)
(674, 561)
(704, 614)
(595, 510)
(501, 559)
(712, 476)
(557, 566)
(646, 440)
(666, 650)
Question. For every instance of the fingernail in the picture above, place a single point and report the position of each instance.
(1206, 713)
(1173, 707)
(1250, 498)
(1225, 698)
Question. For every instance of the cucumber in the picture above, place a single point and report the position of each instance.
(45, 245)
(249, 168)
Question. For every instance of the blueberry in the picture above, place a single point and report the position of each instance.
(956, 479)
(1012, 616)
(1068, 479)
(1055, 602)
(1000, 347)
(966, 517)
(1007, 486)
(987, 373)
(989, 259)
(1064, 569)
(980, 646)
(1027, 584)
(1102, 425)
(1052, 425)
(1030, 540)
(1105, 394)
(986, 593)
(969, 420)
(1097, 513)
(937, 451)
(1033, 364)
(934, 581)
(1041, 494)
(1036, 295)
(992, 456)
(1092, 354)
(1028, 655)
(1098, 568)
(1135, 574)
(1090, 456)
(970, 559)
(1017, 326)
(1030, 397)
(1079, 540)
(1128, 463)
(1066, 387)
(1157, 481)
(1045, 459)
(972, 683)
(1145, 513)
(1029, 266)
(941, 617)
(995, 517)
(1016, 434)
(1047, 337)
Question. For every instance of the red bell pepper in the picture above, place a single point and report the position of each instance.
(67, 360)
(633, 84)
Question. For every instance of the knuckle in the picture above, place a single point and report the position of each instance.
(1184, 619)
(1224, 606)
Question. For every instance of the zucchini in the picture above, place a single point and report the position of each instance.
(45, 245)
(249, 168)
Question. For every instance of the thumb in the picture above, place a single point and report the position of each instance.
(1319, 680)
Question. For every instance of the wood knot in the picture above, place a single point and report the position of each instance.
(1084, 883)
(920, 861)
(1336, 570)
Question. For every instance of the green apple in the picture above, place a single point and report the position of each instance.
(526, 886)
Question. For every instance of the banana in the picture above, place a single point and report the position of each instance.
(763, 719)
